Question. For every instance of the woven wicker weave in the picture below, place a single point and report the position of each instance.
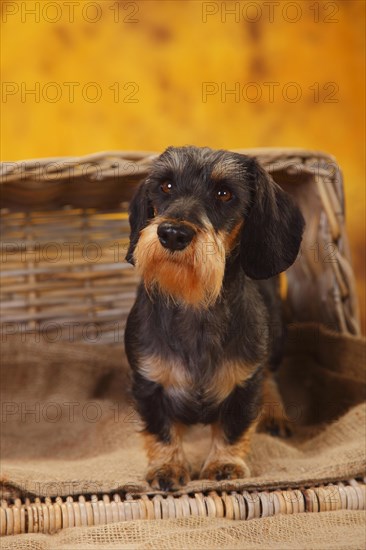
(51, 515)
(64, 237)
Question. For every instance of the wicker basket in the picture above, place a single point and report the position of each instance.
(64, 237)
(65, 234)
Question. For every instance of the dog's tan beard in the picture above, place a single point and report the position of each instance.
(192, 276)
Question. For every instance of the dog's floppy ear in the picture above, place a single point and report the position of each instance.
(140, 211)
(273, 228)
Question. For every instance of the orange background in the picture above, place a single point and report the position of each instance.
(160, 53)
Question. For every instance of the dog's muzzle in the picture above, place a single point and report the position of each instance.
(175, 236)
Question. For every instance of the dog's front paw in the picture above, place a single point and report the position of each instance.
(225, 470)
(168, 477)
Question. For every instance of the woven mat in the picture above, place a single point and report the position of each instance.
(324, 531)
(69, 428)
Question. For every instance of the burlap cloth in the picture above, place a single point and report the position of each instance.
(68, 428)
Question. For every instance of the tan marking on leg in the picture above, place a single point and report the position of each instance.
(273, 418)
(227, 461)
(168, 468)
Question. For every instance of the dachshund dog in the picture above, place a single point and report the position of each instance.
(207, 227)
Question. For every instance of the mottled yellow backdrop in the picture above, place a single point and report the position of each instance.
(80, 77)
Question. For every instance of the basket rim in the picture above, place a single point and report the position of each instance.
(135, 154)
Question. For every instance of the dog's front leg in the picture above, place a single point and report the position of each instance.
(231, 435)
(168, 468)
(226, 460)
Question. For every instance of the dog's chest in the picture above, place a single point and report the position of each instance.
(197, 357)
(201, 374)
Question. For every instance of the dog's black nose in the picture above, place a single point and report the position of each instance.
(174, 236)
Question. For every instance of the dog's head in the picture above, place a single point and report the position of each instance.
(197, 208)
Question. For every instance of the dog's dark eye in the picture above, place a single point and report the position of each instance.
(166, 187)
(223, 194)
